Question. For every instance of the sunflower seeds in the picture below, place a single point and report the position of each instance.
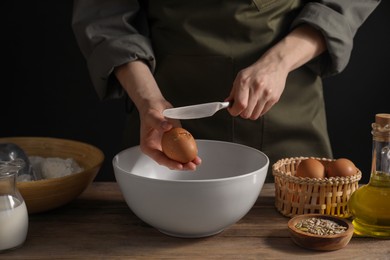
(319, 226)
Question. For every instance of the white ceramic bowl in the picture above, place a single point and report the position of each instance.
(193, 204)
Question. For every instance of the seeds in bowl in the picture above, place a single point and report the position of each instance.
(320, 226)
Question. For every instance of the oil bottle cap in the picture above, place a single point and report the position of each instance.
(382, 119)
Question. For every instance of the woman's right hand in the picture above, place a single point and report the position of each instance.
(153, 126)
(139, 83)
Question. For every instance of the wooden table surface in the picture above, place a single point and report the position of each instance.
(99, 225)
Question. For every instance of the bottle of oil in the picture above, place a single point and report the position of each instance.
(370, 204)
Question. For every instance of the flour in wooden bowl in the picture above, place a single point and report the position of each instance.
(54, 167)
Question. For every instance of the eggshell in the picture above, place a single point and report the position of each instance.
(178, 144)
(341, 168)
(310, 168)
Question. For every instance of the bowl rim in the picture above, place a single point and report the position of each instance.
(225, 179)
(348, 232)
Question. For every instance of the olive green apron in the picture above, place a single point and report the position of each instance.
(201, 45)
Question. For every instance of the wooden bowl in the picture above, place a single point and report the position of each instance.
(47, 194)
(320, 242)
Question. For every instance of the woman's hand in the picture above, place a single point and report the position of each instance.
(258, 87)
(153, 126)
(136, 78)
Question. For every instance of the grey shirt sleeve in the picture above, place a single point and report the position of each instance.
(109, 34)
(338, 20)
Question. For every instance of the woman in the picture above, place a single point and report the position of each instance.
(267, 56)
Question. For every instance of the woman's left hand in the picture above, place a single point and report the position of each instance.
(257, 88)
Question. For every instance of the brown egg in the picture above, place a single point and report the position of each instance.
(179, 145)
(341, 168)
(310, 168)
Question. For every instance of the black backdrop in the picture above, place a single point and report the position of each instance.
(46, 90)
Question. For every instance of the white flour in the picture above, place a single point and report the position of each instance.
(53, 167)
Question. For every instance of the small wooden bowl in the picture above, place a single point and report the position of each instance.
(47, 194)
(320, 242)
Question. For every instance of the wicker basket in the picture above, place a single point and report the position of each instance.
(297, 195)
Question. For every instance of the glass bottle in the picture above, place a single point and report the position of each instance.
(370, 204)
(13, 210)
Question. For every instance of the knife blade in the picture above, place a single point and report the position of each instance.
(195, 111)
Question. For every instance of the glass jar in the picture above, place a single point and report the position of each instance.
(13, 210)
(370, 204)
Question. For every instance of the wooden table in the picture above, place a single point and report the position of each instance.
(99, 225)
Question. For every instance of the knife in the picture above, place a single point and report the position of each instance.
(195, 111)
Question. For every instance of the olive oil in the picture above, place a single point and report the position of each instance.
(370, 204)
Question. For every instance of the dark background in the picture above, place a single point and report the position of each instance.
(46, 90)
